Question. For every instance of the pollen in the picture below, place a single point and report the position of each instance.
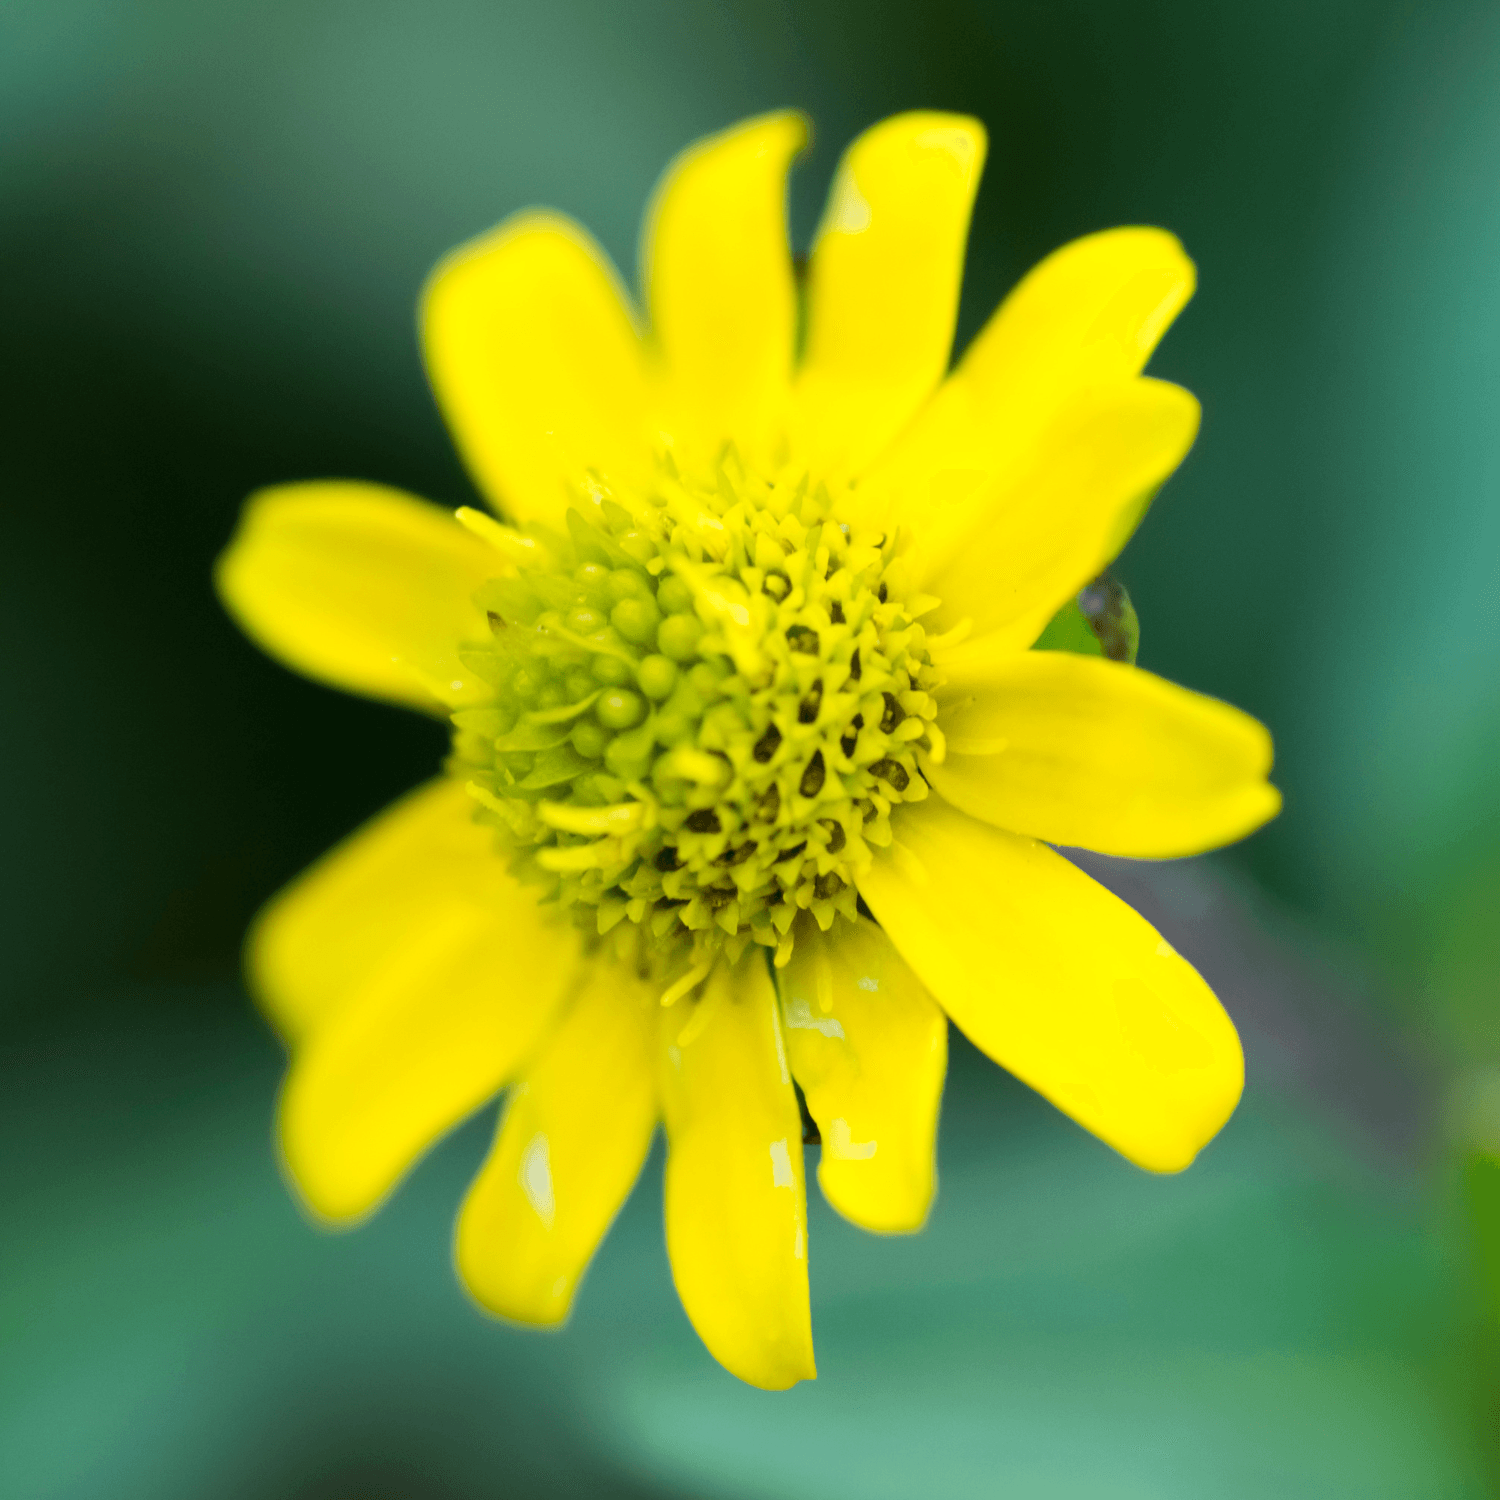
(708, 699)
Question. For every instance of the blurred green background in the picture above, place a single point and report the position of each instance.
(214, 217)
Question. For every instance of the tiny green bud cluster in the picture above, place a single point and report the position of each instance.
(707, 702)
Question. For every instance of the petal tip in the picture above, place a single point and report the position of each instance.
(496, 1295)
(331, 1200)
(781, 1377)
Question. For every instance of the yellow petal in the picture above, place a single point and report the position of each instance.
(536, 364)
(360, 586)
(1089, 314)
(736, 1203)
(1060, 982)
(1054, 525)
(327, 935)
(870, 1048)
(1078, 750)
(437, 990)
(718, 273)
(575, 1132)
(883, 284)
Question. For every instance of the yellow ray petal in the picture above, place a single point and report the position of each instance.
(1079, 750)
(536, 364)
(883, 284)
(1054, 525)
(718, 274)
(870, 1048)
(1060, 982)
(360, 586)
(1089, 314)
(328, 934)
(437, 1007)
(575, 1132)
(736, 1204)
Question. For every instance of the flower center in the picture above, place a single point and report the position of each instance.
(708, 701)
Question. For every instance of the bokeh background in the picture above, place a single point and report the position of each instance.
(214, 216)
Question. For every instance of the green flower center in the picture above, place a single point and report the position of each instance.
(708, 701)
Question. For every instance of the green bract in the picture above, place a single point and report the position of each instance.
(706, 704)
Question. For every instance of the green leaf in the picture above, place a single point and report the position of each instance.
(1068, 630)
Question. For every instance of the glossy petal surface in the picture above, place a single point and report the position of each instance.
(1078, 750)
(883, 283)
(736, 1207)
(1088, 315)
(869, 1047)
(719, 279)
(1054, 525)
(361, 587)
(536, 364)
(427, 1006)
(576, 1129)
(1060, 982)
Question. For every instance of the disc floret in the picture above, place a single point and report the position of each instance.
(707, 702)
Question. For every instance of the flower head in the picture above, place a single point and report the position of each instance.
(754, 771)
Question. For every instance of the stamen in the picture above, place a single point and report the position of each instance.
(708, 696)
(691, 980)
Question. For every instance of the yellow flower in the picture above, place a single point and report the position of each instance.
(754, 773)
